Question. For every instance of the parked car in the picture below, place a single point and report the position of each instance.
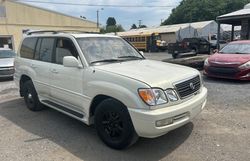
(6, 62)
(102, 80)
(189, 45)
(232, 61)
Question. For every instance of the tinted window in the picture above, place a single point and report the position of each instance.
(64, 47)
(236, 48)
(46, 49)
(38, 46)
(28, 47)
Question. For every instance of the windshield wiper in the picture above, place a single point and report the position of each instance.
(130, 57)
(105, 60)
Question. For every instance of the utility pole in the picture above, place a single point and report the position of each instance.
(97, 17)
(140, 21)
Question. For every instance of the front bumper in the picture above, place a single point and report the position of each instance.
(7, 72)
(241, 75)
(144, 121)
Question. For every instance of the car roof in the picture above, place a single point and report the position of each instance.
(76, 35)
(92, 35)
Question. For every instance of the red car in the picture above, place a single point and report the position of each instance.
(232, 62)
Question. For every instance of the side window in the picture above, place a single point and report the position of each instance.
(28, 47)
(37, 49)
(46, 49)
(64, 47)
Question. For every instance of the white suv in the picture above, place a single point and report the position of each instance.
(103, 80)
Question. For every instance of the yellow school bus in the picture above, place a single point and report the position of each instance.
(144, 40)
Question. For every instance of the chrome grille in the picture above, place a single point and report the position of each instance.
(188, 87)
(7, 71)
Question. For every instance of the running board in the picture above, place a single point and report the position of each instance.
(60, 107)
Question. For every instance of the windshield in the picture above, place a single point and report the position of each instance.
(236, 49)
(107, 49)
(7, 54)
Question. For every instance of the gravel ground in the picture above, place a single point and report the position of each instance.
(220, 133)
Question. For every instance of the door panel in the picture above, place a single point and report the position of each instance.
(67, 82)
(41, 64)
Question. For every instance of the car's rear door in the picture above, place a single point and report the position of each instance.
(41, 64)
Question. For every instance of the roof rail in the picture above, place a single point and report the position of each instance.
(41, 31)
(58, 31)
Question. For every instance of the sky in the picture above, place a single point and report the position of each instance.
(126, 16)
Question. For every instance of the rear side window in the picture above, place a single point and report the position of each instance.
(28, 47)
(46, 49)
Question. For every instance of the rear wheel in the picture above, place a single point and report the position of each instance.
(31, 98)
(194, 50)
(114, 125)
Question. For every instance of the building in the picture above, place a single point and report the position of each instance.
(17, 17)
(237, 18)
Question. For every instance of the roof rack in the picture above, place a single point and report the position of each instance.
(58, 31)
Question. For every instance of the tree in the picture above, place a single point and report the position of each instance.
(120, 28)
(133, 26)
(111, 21)
(111, 26)
(143, 26)
(202, 10)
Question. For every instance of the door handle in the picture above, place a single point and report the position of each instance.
(54, 71)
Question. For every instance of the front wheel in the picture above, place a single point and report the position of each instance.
(114, 125)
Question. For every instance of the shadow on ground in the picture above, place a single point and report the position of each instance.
(82, 141)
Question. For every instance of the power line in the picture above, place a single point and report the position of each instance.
(98, 5)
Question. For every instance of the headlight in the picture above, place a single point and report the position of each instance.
(172, 96)
(245, 66)
(153, 96)
(206, 63)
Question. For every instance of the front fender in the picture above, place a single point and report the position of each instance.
(127, 97)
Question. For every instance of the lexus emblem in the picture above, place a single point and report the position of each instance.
(192, 86)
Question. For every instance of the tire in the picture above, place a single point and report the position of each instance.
(114, 125)
(175, 56)
(195, 51)
(30, 96)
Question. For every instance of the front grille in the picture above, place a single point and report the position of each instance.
(7, 71)
(188, 87)
(222, 71)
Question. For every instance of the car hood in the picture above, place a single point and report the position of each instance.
(227, 59)
(153, 73)
(6, 62)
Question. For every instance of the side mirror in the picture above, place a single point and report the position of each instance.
(142, 53)
(70, 61)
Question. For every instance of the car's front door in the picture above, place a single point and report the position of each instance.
(67, 82)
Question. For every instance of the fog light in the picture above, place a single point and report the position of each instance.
(164, 122)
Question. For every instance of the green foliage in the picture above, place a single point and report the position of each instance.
(111, 26)
(111, 21)
(202, 10)
(133, 26)
(142, 26)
